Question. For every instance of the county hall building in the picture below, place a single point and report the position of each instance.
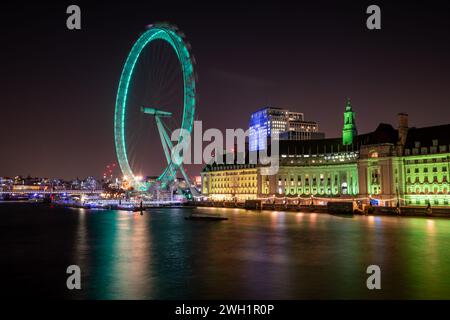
(389, 166)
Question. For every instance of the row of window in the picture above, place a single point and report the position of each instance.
(427, 190)
(425, 150)
(237, 178)
(335, 156)
(426, 180)
(426, 169)
(229, 185)
(234, 191)
(426, 160)
(436, 202)
(231, 167)
(313, 191)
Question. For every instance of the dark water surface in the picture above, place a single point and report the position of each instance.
(253, 255)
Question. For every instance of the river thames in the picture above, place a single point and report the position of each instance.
(253, 255)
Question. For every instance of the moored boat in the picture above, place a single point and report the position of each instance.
(206, 217)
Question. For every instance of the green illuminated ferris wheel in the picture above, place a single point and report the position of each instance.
(146, 68)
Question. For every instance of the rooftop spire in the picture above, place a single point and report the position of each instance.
(348, 106)
(349, 130)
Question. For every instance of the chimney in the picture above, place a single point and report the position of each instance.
(402, 128)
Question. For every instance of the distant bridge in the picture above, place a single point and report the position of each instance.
(50, 192)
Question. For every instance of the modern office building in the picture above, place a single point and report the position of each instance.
(389, 166)
(287, 124)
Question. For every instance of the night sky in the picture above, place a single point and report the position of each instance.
(59, 86)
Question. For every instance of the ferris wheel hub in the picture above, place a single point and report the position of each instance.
(155, 112)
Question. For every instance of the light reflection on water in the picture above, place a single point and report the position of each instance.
(267, 255)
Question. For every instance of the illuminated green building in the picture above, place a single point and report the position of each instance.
(425, 166)
(323, 167)
(389, 166)
(405, 166)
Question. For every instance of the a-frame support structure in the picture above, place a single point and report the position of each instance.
(165, 139)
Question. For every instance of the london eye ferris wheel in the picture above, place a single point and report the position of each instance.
(156, 95)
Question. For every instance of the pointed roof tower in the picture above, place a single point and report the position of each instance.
(349, 131)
